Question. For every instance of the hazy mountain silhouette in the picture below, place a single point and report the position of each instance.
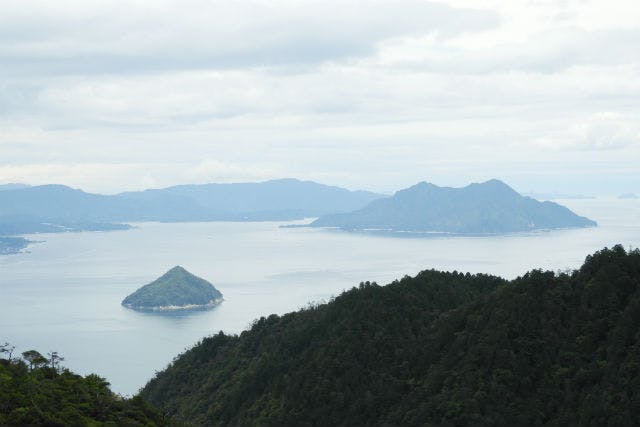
(489, 207)
(284, 199)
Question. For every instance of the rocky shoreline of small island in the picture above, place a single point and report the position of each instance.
(210, 304)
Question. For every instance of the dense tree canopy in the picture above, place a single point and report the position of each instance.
(439, 348)
(175, 289)
(436, 349)
(38, 392)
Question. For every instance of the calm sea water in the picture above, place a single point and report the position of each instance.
(64, 294)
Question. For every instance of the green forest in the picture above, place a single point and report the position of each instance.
(441, 348)
(36, 390)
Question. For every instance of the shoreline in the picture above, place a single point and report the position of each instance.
(11, 245)
(210, 304)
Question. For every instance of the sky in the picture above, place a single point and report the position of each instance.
(110, 96)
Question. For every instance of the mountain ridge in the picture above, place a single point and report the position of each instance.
(69, 209)
(491, 207)
(440, 348)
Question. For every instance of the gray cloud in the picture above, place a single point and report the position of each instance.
(18, 97)
(113, 95)
(551, 51)
(73, 38)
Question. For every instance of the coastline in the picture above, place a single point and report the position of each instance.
(210, 304)
(10, 245)
(12, 241)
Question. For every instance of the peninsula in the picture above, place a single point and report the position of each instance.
(177, 289)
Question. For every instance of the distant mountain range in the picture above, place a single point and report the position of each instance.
(628, 196)
(50, 208)
(12, 186)
(486, 208)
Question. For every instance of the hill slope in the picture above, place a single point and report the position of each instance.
(176, 289)
(39, 395)
(486, 208)
(437, 349)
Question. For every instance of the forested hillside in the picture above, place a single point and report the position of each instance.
(36, 391)
(436, 349)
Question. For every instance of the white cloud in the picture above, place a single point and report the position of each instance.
(87, 176)
(166, 92)
(121, 37)
(99, 176)
(211, 170)
(603, 131)
(550, 51)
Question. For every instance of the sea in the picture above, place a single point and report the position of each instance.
(64, 292)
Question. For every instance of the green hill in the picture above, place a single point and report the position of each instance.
(487, 208)
(436, 349)
(176, 289)
(36, 394)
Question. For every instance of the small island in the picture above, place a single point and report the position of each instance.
(628, 196)
(177, 289)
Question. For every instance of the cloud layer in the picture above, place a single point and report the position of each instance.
(111, 96)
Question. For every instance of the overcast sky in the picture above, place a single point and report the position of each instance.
(110, 96)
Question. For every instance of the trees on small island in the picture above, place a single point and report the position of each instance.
(177, 289)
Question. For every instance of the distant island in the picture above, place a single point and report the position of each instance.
(556, 195)
(628, 196)
(28, 209)
(31, 225)
(177, 289)
(13, 186)
(12, 245)
(12, 227)
(276, 200)
(490, 207)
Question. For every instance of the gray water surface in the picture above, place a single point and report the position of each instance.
(64, 294)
